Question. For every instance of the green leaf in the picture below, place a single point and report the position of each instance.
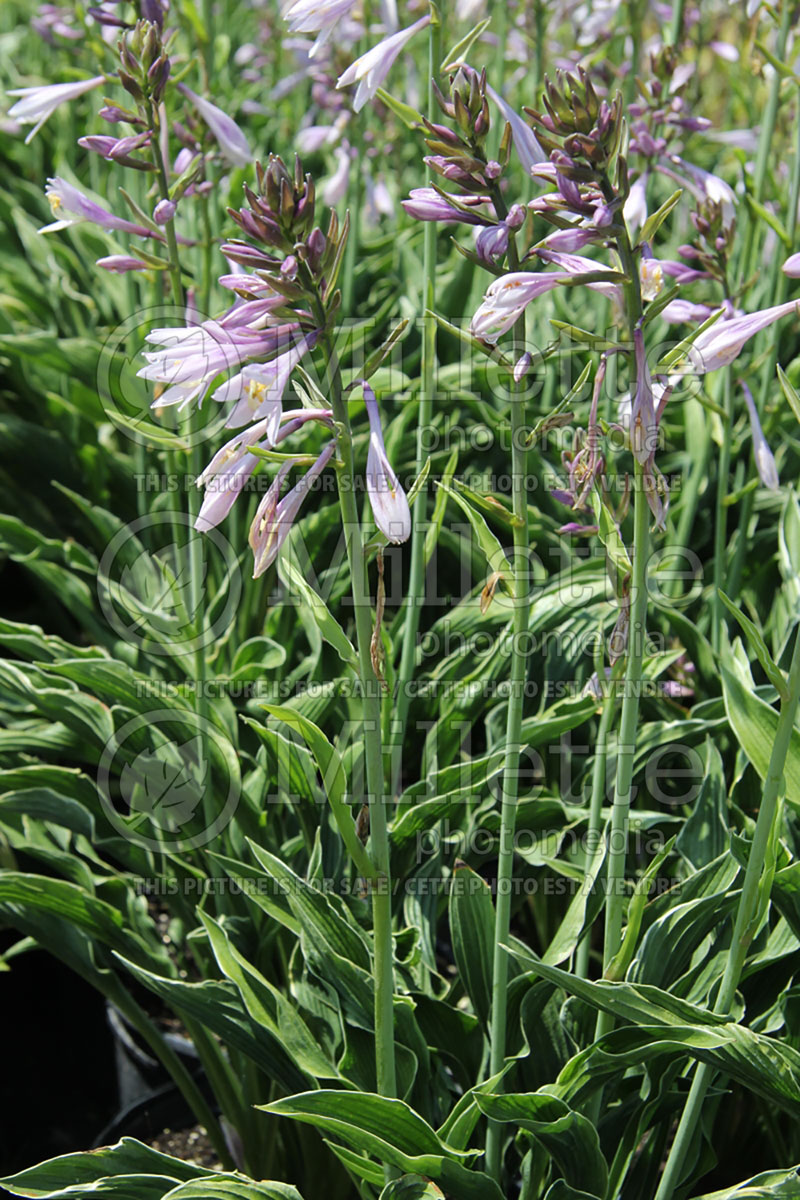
(758, 646)
(408, 115)
(334, 779)
(664, 1023)
(789, 392)
(393, 1133)
(328, 626)
(78, 1174)
(755, 725)
(780, 1185)
(656, 219)
(490, 546)
(412, 1187)
(459, 52)
(472, 933)
(267, 1005)
(233, 1187)
(570, 1139)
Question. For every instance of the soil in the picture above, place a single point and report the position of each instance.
(190, 1145)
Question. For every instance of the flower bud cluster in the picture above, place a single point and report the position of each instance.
(280, 217)
(145, 64)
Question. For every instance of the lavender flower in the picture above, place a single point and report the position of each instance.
(765, 463)
(274, 517)
(527, 147)
(38, 103)
(724, 341)
(426, 204)
(370, 70)
(192, 357)
(232, 142)
(317, 16)
(508, 297)
(258, 390)
(71, 207)
(389, 502)
(164, 211)
(792, 266)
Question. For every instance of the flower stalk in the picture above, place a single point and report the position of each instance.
(380, 886)
(416, 583)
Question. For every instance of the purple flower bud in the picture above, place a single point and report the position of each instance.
(792, 266)
(164, 211)
(492, 243)
(522, 366)
(120, 263)
(765, 462)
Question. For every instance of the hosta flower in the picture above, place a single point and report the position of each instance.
(508, 297)
(765, 462)
(232, 465)
(723, 342)
(258, 389)
(232, 142)
(274, 517)
(317, 16)
(389, 502)
(36, 104)
(70, 207)
(635, 208)
(426, 204)
(527, 147)
(192, 357)
(792, 266)
(370, 70)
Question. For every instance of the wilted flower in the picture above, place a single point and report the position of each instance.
(370, 70)
(765, 462)
(274, 517)
(36, 104)
(232, 142)
(388, 500)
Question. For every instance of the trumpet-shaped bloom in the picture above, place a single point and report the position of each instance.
(36, 104)
(765, 462)
(258, 389)
(370, 70)
(274, 517)
(426, 204)
(71, 207)
(389, 501)
(508, 297)
(192, 357)
(232, 142)
(527, 147)
(724, 341)
(317, 16)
